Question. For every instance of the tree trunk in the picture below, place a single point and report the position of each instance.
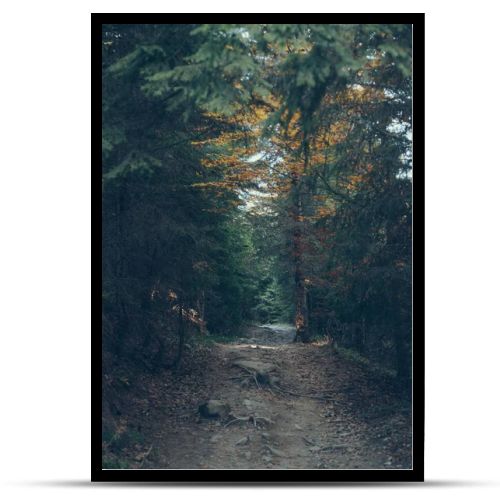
(201, 311)
(301, 312)
(181, 335)
(302, 333)
(123, 320)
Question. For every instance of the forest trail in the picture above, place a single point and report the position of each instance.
(235, 200)
(319, 411)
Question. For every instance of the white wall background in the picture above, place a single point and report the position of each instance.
(45, 248)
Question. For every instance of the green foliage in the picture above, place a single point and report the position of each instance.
(162, 235)
(337, 101)
(273, 305)
(234, 288)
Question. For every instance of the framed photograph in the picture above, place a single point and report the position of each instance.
(260, 231)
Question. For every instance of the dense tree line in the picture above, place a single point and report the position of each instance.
(257, 173)
(170, 250)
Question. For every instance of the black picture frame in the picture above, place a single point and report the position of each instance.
(271, 476)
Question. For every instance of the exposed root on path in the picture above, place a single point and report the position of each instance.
(252, 419)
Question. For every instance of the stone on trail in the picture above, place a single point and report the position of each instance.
(253, 406)
(275, 451)
(214, 408)
(243, 441)
(261, 369)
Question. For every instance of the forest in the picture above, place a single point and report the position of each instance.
(257, 199)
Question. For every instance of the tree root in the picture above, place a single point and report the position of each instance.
(338, 446)
(309, 442)
(145, 456)
(250, 418)
(251, 375)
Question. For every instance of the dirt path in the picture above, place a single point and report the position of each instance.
(319, 411)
